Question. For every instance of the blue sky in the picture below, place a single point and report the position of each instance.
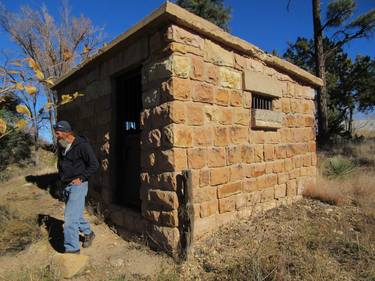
(265, 23)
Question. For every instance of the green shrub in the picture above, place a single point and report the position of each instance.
(338, 166)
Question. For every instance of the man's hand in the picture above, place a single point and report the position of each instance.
(76, 181)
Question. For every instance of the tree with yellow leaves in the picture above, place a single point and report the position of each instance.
(51, 46)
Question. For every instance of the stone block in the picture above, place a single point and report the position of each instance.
(204, 194)
(177, 88)
(181, 66)
(222, 97)
(163, 237)
(236, 98)
(291, 186)
(209, 208)
(261, 118)
(241, 117)
(261, 83)
(165, 218)
(211, 73)
(269, 152)
(234, 155)
(236, 172)
(230, 78)
(178, 135)
(238, 134)
(280, 191)
(219, 175)
(204, 177)
(223, 115)
(258, 169)
(195, 114)
(268, 194)
(227, 204)
(249, 185)
(203, 93)
(178, 34)
(221, 136)
(282, 178)
(216, 54)
(247, 152)
(216, 157)
(166, 200)
(197, 70)
(197, 158)
(241, 201)
(176, 112)
(258, 153)
(202, 136)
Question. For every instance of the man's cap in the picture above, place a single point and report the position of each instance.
(62, 126)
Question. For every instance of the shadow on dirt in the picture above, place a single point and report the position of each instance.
(48, 182)
(55, 231)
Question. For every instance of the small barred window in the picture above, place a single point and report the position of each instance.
(261, 102)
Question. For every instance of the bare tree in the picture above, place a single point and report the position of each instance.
(55, 46)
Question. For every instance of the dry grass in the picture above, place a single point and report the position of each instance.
(46, 273)
(355, 185)
(16, 232)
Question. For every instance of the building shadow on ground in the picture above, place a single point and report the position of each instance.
(48, 182)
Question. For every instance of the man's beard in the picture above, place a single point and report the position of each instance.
(63, 143)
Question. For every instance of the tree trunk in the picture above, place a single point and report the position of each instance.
(350, 123)
(320, 72)
(51, 113)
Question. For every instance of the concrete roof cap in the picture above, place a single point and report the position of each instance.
(176, 14)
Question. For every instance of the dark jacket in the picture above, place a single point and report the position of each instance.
(79, 161)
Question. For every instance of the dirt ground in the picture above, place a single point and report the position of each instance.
(309, 240)
(110, 256)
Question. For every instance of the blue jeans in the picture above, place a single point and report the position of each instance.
(73, 215)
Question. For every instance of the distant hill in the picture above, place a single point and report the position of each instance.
(366, 125)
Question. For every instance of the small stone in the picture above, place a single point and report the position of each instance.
(116, 261)
(69, 265)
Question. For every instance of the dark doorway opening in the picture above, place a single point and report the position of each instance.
(128, 109)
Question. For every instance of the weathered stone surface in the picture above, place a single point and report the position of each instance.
(164, 238)
(165, 218)
(177, 88)
(227, 204)
(166, 200)
(181, 66)
(261, 83)
(69, 265)
(209, 208)
(261, 118)
(197, 158)
(229, 189)
(222, 96)
(230, 78)
(181, 35)
(178, 135)
(219, 176)
(216, 157)
(216, 54)
(195, 114)
(203, 93)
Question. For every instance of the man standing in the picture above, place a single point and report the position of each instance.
(76, 163)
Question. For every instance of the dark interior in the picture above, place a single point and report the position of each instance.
(128, 108)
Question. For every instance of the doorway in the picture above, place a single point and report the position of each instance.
(128, 109)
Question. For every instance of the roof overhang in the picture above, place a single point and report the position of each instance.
(169, 12)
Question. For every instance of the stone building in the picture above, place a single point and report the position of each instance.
(176, 93)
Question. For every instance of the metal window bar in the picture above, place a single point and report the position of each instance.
(261, 102)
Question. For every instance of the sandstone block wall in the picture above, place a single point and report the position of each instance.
(197, 115)
(238, 168)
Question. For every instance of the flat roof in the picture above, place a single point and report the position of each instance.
(174, 13)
